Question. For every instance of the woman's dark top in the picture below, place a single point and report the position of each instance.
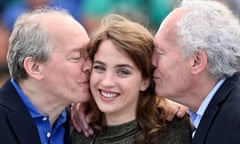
(178, 131)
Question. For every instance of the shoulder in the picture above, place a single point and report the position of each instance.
(179, 122)
(178, 131)
(5, 100)
(9, 98)
(77, 137)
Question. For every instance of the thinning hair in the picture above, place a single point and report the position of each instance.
(212, 27)
(29, 38)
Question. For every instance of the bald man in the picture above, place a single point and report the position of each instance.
(197, 63)
(49, 70)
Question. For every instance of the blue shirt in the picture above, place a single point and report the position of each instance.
(48, 135)
(196, 117)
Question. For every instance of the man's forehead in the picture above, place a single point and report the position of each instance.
(168, 28)
(170, 22)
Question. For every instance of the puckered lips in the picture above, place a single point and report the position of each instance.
(83, 82)
(156, 77)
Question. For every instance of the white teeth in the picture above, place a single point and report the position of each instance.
(108, 95)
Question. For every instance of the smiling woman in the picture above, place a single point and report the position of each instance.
(126, 107)
(116, 83)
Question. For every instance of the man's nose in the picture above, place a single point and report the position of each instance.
(87, 64)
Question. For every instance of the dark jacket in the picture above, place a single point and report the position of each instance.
(16, 124)
(220, 123)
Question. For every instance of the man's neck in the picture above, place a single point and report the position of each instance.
(44, 102)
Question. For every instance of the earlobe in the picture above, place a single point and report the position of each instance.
(144, 85)
(199, 62)
(32, 68)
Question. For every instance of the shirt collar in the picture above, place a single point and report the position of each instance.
(196, 117)
(31, 108)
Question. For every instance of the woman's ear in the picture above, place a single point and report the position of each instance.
(144, 84)
(32, 68)
(199, 62)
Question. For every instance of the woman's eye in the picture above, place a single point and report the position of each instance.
(123, 72)
(98, 68)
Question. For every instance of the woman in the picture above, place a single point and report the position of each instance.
(126, 108)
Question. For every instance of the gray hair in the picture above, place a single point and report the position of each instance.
(29, 38)
(211, 27)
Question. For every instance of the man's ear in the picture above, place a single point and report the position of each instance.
(199, 62)
(32, 68)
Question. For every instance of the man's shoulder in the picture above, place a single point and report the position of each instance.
(7, 94)
(6, 87)
(10, 101)
(4, 96)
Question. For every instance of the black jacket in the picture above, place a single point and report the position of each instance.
(220, 123)
(16, 124)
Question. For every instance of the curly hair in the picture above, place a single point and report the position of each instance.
(220, 41)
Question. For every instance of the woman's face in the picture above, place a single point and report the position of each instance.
(115, 84)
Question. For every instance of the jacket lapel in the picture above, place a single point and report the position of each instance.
(19, 118)
(204, 125)
(24, 128)
(212, 110)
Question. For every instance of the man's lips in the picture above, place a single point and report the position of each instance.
(156, 77)
(83, 81)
